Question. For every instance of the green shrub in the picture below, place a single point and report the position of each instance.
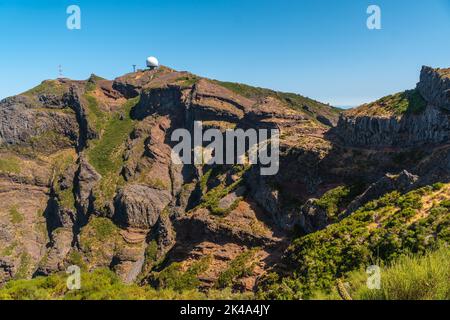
(383, 230)
(76, 258)
(24, 266)
(15, 215)
(9, 165)
(438, 186)
(173, 277)
(101, 284)
(106, 153)
(332, 200)
(409, 101)
(241, 266)
(151, 251)
(96, 117)
(104, 228)
(67, 199)
(445, 204)
(212, 198)
(50, 141)
(412, 200)
(48, 87)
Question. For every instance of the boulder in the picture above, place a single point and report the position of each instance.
(6, 269)
(313, 217)
(403, 183)
(60, 246)
(230, 199)
(85, 180)
(139, 206)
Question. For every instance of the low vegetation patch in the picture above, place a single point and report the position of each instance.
(175, 278)
(24, 266)
(333, 200)
(242, 266)
(101, 284)
(420, 277)
(49, 142)
(9, 250)
(48, 87)
(102, 154)
(102, 229)
(96, 117)
(60, 164)
(382, 230)
(91, 83)
(410, 277)
(15, 215)
(398, 104)
(211, 198)
(187, 81)
(106, 153)
(9, 164)
(292, 100)
(67, 199)
(99, 240)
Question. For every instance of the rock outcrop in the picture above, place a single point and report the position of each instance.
(85, 180)
(55, 257)
(430, 127)
(139, 206)
(402, 182)
(388, 123)
(23, 123)
(312, 217)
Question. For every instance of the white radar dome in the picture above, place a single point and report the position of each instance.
(152, 62)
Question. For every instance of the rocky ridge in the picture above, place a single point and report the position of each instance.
(416, 117)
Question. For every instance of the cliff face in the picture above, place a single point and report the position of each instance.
(432, 126)
(86, 176)
(417, 117)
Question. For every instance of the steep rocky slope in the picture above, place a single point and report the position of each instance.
(87, 178)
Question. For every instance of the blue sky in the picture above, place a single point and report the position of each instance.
(319, 48)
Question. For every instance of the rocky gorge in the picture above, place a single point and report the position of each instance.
(87, 179)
